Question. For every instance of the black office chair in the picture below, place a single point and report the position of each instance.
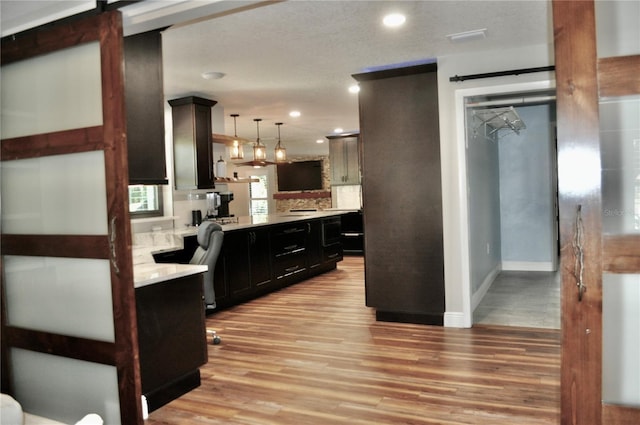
(210, 236)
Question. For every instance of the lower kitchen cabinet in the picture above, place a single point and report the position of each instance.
(235, 260)
(172, 338)
(315, 252)
(257, 260)
(289, 244)
(260, 258)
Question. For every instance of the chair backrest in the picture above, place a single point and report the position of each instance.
(210, 236)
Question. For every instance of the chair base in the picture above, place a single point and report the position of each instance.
(215, 339)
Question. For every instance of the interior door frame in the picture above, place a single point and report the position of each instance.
(110, 137)
(469, 299)
(581, 79)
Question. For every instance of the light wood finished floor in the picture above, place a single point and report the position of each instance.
(314, 354)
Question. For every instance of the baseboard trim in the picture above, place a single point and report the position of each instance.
(477, 296)
(528, 266)
(455, 320)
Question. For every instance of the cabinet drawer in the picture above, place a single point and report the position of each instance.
(289, 240)
(333, 252)
(290, 265)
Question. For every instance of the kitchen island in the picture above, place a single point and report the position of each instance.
(260, 254)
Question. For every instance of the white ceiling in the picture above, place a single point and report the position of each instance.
(280, 56)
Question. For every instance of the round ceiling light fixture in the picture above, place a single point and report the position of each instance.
(394, 20)
(338, 130)
(355, 88)
(294, 114)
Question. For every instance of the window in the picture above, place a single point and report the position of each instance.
(259, 194)
(145, 201)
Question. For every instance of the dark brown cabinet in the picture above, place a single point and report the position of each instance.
(315, 251)
(172, 338)
(331, 239)
(404, 259)
(235, 256)
(192, 143)
(259, 258)
(352, 233)
(289, 244)
(144, 106)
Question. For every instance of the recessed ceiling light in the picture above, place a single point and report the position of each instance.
(320, 141)
(354, 88)
(467, 35)
(394, 20)
(294, 114)
(338, 130)
(212, 75)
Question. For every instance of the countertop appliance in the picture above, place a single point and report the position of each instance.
(213, 204)
(225, 198)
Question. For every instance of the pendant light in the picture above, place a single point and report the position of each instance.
(281, 153)
(236, 149)
(259, 150)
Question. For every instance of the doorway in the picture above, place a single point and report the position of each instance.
(510, 164)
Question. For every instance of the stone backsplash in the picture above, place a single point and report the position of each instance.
(307, 200)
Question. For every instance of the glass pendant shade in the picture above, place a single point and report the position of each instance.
(259, 150)
(236, 149)
(281, 153)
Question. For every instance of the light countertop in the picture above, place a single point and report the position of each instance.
(149, 273)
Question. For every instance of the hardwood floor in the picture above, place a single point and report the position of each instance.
(314, 354)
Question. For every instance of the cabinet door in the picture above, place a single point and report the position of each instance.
(314, 244)
(336, 147)
(259, 257)
(345, 163)
(204, 147)
(351, 162)
(145, 108)
(192, 144)
(236, 263)
(171, 332)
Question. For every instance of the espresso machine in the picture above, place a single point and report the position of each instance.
(213, 205)
(218, 204)
(225, 198)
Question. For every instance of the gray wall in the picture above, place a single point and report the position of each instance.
(527, 191)
(483, 179)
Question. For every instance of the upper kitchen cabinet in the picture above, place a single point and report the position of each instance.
(144, 108)
(344, 154)
(404, 257)
(192, 143)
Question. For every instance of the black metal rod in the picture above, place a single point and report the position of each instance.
(459, 78)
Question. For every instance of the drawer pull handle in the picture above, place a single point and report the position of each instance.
(290, 269)
(332, 255)
(290, 247)
(294, 230)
